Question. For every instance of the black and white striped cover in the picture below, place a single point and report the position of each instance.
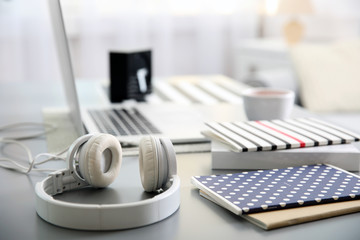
(279, 134)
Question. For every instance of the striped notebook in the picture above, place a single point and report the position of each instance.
(278, 134)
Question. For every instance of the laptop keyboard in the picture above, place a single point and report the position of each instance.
(122, 122)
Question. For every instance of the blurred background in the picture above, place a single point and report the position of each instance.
(241, 39)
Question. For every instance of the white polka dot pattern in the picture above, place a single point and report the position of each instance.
(282, 188)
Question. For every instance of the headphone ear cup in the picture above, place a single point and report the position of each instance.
(148, 164)
(170, 158)
(100, 149)
(154, 157)
(150, 157)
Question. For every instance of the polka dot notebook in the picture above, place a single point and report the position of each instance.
(264, 190)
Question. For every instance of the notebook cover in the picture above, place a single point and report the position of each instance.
(286, 217)
(251, 136)
(264, 190)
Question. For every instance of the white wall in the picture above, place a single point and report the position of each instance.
(187, 37)
(26, 44)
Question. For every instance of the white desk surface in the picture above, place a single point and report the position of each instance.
(197, 218)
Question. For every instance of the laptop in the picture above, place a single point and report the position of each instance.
(182, 123)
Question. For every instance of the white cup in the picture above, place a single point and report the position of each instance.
(268, 103)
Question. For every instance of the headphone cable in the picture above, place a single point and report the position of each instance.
(13, 164)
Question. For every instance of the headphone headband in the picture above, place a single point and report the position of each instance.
(106, 216)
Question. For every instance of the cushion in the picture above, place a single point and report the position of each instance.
(329, 75)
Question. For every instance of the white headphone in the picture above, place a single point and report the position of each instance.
(157, 170)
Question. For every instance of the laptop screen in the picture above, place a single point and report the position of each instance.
(67, 74)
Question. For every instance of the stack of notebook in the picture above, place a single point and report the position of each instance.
(281, 143)
(281, 197)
